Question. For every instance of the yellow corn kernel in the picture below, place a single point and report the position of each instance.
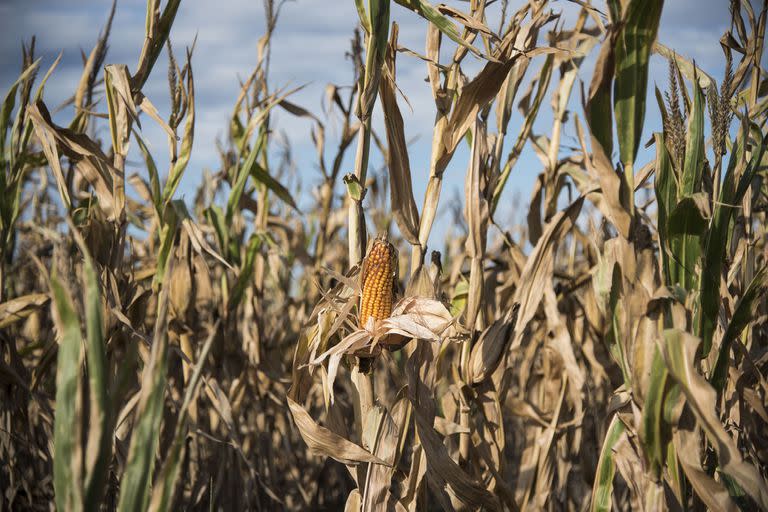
(378, 280)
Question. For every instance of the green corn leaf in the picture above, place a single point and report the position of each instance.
(616, 336)
(98, 453)
(459, 299)
(216, 218)
(137, 479)
(246, 272)
(354, 187)
(157, 30)
(241, 177)
(378, 11)
(743, 317)
(170, 225)
(757, 146)
(690, 216)
(598, 109)
(365, 21)
(693, 167)
(236, 129)
(67, 462)
(674, 475)
(632, 51)
(154, 177)
(376, 50)
(652, 419)
(685, 251)
(614, 10)
(688, 219)
(263, 177)
(602, 489)
(716, 244)
(10, 102)
(665, 187)
(112, 108)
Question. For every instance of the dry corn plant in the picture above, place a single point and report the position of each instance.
(237, 353)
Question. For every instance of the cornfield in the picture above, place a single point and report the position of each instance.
(233, 351)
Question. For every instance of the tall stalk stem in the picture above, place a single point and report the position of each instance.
(357, 232)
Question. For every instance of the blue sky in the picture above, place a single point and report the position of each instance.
(308, 48)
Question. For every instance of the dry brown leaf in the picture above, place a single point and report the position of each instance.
(475, 96)
(712, 493)
(325, 442)
(444, 475)
(679, 351)
(530, 289)
(79, 148)
(401, 190)
(487, 352)
(611, 185)
(13, 310)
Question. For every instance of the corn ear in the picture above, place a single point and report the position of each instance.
(378, 280)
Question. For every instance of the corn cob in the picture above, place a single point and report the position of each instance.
(378, 278)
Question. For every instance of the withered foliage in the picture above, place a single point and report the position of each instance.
(609, 354)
